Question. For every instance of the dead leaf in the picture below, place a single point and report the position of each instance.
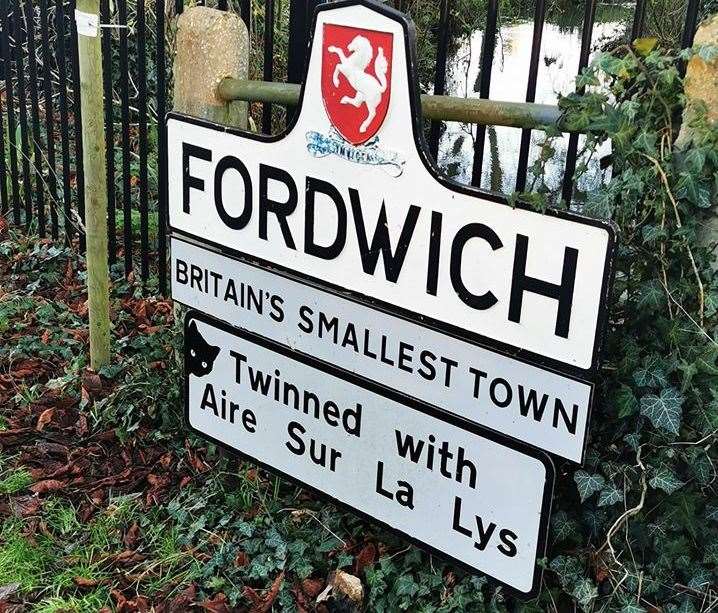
(366, 557)
(132, 536)
(48, 485)
(44, 419)
(92, 383)
(85, 582)
(241, 559)
(218, 604)
(312, 587)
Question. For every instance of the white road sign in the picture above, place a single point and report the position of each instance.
(349, 196)
(531, 404)
(439, 481)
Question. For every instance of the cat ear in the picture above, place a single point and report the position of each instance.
(193, 326)
(214, 351)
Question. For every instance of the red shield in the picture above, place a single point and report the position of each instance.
(356, 80)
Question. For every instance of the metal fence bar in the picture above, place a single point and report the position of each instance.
(440, 74)
(589, 17)
(488, 45)
(68, 223)
(7, 26)
(245, 10)
(106, 18)
(49, 116)
(77, 110)
(639, 19)
(4, 204)
(539, 20)
(142, 117)
(38, 160)
(691, 23)
(125, 119)
(161, 148)
(22, 102)
(268, 68)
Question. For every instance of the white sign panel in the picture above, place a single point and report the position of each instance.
(349, 196)
(434, 479)
(531, 404)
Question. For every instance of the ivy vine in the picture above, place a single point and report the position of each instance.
(636, 529)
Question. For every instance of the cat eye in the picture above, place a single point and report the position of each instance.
(204, 364)
(192, 353)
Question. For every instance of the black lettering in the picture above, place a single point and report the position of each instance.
(189, 181)
(530, 402)
(432, 274)
(523, 283)
(306, 325)
(380, 242)
(239, 222)
(326, 252)
(472, 230)
(570, 422)
(292, 428)
(406, 447)
(281, 210)
(507, 547)
(457, 519)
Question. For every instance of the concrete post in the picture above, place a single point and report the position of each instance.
(701, 89)
(211, 45)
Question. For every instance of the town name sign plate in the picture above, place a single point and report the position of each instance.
(412, 348)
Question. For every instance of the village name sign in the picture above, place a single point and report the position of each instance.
(407, 346)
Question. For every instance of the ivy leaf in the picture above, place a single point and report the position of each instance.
(585, 592)
(664, 411)
(664, 479)
(712, 512)
(610, 496)
(562, 527)
(632, 607)
(652, 374)
(651, 296)
(625, 401)
(588, 484)
(695, 190)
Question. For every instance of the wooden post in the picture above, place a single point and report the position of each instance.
(93, 139)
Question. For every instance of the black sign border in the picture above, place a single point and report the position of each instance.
(546, 501)
(321, 287)
(420, 143)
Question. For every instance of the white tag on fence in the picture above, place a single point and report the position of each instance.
(87, 23)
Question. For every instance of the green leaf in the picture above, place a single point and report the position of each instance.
(651, 296)
(633, 607)
(695, 190)
(652, 374)
(585, 592)
(588, 484)
(610, 496)
(625, 402)
(712, 512)
(664, 411)
(562, 527)
(645, 45)
(664, 479)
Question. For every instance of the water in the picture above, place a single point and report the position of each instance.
(558, 67)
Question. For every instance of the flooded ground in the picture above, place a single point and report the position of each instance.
(558, 67)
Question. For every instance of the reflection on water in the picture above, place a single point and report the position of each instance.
(558, 67)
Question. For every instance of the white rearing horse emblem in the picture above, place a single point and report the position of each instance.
(369, 89)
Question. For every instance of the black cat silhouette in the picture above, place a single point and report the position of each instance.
(200, 354)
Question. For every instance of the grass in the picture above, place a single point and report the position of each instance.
(15, 481)
(23, 561)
